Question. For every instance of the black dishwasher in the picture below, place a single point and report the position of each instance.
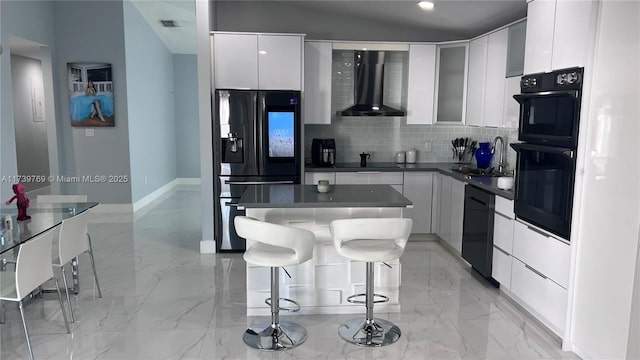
(477, 230)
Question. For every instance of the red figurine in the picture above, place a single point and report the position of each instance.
(22, 201)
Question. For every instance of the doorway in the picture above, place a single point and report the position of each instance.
(33, 114)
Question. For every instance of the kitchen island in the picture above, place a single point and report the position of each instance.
(322, 285)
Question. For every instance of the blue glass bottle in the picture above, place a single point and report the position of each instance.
(484, 155)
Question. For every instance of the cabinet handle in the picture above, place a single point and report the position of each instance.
(368, 172)
(228, 182)
(484, 204)
(537, 231)
(503, 215)
(502, 251)
(535, 271)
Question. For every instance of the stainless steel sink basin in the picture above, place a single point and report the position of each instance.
(475, 172)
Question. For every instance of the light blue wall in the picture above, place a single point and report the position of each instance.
(81, 37)
(185, 79)
(152, 145)
(32, 20)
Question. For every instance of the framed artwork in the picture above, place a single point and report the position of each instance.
(90, 94)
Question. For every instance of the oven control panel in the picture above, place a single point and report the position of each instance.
(564, 79)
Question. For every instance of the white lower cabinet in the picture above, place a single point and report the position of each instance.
(540, 294)
(418, 187)
(395, 179)
(502, 247)
(503, 232)
(444, 200)
(435, 203)
(501, 267)
(312, 178)
(457, 214)
(532, 266)
(547, 255)
(449, 205)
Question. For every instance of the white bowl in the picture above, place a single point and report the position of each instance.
(505, 183)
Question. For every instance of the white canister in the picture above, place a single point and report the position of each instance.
(400, 157)
(412, 154)
(505, 183)
(323, 186)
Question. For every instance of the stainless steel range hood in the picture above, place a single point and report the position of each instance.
(368, 87)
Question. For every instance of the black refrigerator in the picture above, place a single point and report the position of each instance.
(257, 140)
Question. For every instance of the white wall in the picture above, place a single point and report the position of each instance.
(208, 244)
(185, 80)
(609, 217)
(633, 348)
(31, 136)
(150, 89)
(80, 37)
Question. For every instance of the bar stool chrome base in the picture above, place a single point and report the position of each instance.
(275, 337)
(363, 332)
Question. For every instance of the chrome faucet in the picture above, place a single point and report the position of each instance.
(501, 163)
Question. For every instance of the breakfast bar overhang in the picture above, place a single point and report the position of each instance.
(322, 285)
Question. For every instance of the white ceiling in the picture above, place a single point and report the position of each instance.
(181, 39)
(391, 20)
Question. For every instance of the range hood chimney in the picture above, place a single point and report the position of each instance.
(369, 84)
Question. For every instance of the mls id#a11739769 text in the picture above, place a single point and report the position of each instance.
(95, 179)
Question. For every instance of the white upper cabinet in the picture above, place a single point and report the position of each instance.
(257, 61)
(235, 61)
(486, 84)
(515, 48)
(476, 83)
(539, 43)
(511, 115)
(422, 73)
(280, 62)
(574, 20)
(317, 82)
(556, 34)
(451, 83)
(495, 78)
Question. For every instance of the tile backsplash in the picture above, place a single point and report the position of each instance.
(384, 136)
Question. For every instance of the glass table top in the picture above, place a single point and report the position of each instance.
(44, 217)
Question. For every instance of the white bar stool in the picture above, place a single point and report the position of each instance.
(370, 240)
(275, 246)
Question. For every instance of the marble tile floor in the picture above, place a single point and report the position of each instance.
(162, 299)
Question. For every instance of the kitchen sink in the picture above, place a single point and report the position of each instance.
(472, 172)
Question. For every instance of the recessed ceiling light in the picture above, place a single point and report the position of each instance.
(426, 5)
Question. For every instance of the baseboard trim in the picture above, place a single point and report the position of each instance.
(188, 181)
(207, 247)
(163, 190)
(422, 237)
(112, 208)
(33, 194)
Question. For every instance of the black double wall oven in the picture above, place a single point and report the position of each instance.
(546, 164)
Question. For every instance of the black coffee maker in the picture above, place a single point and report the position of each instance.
(323, 152)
